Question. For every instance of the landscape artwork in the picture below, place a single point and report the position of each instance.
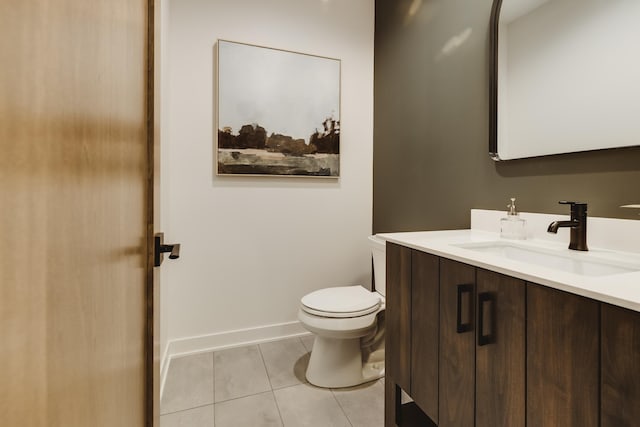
(278, 112)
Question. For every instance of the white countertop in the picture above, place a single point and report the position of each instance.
(621, 289)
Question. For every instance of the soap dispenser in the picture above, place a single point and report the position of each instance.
(513, 227)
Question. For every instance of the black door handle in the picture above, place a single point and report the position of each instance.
(483, 299)
(161, 248)
(464, 327)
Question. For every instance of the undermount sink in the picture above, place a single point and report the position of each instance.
(570, 262)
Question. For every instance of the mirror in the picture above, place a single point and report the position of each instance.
(565, 76)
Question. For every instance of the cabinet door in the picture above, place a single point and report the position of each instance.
(398, 315)
(620, 367)
(500, 351)
(563, 352)
(424, 331)
(457, 344)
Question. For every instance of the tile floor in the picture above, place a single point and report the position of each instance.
(262, 385)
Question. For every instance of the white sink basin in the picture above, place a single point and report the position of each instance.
(574, 262)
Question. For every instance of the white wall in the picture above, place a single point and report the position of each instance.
(161, 61)
(251, 247)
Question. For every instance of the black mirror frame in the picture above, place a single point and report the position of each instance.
(493, 80)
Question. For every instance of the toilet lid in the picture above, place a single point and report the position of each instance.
(343, 301)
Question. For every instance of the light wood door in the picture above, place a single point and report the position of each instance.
(74, 212)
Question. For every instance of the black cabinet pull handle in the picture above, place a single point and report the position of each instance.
(483, 299)
(464, 327)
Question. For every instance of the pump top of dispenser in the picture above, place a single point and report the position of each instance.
(512, 207)
(512, 226)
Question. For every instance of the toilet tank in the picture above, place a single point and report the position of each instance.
(379, 263)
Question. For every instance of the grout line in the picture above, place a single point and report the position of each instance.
(278, 408)
(341, 408)
(272, 389)
(264, 365)
(270, 385)
(242, 397)
(187, 409)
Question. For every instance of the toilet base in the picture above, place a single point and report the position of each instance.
(337, 363)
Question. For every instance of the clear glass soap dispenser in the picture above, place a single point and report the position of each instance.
(512, 226)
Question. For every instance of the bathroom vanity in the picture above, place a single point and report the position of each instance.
(479, 335)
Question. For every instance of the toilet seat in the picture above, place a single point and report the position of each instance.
(341, 302)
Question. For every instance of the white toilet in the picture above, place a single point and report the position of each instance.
(348, 324)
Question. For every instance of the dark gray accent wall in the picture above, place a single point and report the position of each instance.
(431, 163)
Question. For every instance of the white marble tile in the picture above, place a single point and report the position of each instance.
(197, 417)
(286, 362)
(259, 410)
(239, 372)
(307, 406)
(363, 405)
(189, 383)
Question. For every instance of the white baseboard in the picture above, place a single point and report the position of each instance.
(229, 339)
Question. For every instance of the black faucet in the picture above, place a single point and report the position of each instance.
(577, 223)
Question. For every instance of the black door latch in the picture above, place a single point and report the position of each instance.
(161, 248)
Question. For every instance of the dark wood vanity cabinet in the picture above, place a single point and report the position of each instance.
(425, 324)
(482, 341)
(477, 348)
(620, 373)
(562, 358)
(412, 346)
(500, 351)
(398, 315)
(457, 344)
(454, 366)
(482, 358)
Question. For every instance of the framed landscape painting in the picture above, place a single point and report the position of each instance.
(278, 112)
